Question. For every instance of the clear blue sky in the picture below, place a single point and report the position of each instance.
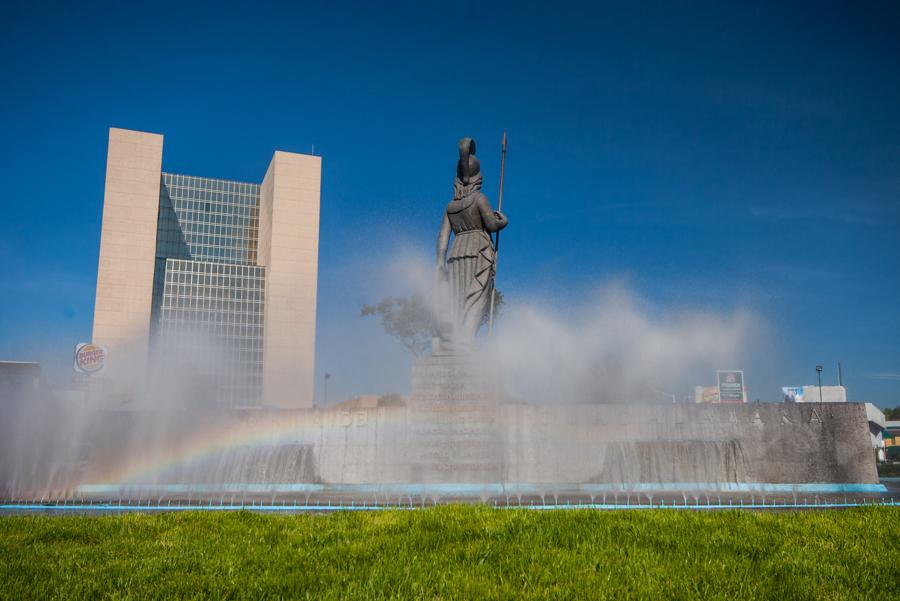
(716, 156)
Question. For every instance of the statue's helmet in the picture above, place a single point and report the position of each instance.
(468, 166)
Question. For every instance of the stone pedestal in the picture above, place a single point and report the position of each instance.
(454, 420)
(453, 378)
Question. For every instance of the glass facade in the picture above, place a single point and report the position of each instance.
(207, 219)
(208, 292)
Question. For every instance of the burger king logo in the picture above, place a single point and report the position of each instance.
(89, 358)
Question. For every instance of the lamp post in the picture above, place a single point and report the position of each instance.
(819, 374)
(327, 377)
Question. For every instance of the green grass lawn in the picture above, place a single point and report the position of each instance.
(458, 552)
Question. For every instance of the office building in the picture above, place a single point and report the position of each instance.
(211, 278)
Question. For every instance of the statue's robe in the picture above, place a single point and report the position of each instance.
(471, 260)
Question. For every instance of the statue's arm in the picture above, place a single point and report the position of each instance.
(443, 242)
(493, 221)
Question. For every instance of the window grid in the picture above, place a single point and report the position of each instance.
(208, 219)
(215, 308)
(208, 305)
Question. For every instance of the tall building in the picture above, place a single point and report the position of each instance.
(212, 277)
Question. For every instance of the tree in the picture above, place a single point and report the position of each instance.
(892, 414)
(412, 322)
(409, 320)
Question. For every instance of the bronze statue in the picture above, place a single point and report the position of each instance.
(466, 274)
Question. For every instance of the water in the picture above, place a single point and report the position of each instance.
(575, 418)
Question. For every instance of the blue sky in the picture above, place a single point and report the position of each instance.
(716, 157)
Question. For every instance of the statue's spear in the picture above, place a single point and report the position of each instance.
(497, 240)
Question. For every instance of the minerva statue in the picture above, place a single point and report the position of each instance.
(465, 275)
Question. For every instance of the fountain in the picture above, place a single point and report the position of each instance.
(461, 436)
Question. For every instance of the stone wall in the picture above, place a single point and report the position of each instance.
(614, 444)
(624, 447)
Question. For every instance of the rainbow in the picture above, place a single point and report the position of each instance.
(270, 428)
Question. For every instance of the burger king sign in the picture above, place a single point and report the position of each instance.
(89, 358)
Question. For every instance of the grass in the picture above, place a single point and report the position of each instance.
(457, 552)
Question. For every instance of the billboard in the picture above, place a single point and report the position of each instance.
(731, 386)
(792, 394)
(89, 358)
(706, 394)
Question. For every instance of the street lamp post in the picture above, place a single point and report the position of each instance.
(819, 374)
(327, 377)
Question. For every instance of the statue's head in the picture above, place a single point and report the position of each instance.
(468, 166)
